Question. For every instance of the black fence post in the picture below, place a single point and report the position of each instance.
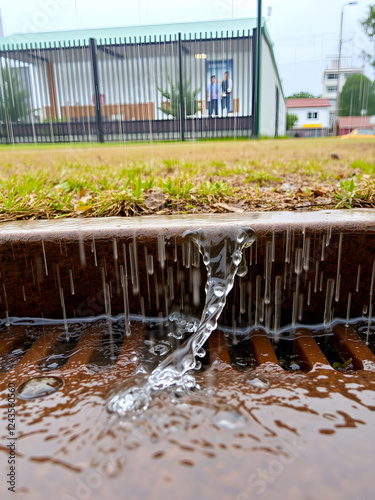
(99, 123)
(182, 107)
(254, 103)
(259, 64)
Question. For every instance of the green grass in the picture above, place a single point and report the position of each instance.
(60, 180)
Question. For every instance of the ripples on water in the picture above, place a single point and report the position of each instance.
(242, 432)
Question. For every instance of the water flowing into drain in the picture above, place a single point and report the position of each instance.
(223, 257)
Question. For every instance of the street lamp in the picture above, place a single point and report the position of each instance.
(339, 64)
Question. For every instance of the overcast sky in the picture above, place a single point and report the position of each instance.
(305, 32)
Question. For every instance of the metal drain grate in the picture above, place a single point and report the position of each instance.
(347, 343)
(27, 350)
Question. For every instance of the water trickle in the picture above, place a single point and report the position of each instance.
(134, 270)
(45, 258)
(71, 282)
(278, 294)
(93, 249)
(82, 255)
(338, 276)
(370, 305)
(268, 268)
(225, 253)
(348, 309)
(358, 279)
(258, 305)
(328, 302)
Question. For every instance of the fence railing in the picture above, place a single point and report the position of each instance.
(128, 89)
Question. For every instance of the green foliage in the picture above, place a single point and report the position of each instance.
(214, 190)
(176, 188)
(302, 95)
(261, 177)
(171, 163)
(291, 120)
(358, 93)
(172, 95)
(348, 193)
(14, 101)
(136, 188)
(369, 28)
(367, 168)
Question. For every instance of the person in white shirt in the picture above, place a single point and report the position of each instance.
(226, 93)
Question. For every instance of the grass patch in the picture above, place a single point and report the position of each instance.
(210, 176)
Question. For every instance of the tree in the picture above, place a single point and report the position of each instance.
(302, 95)
(369, 28)
(14, 100)
(173, 105)
(357, 94)
(291, 120)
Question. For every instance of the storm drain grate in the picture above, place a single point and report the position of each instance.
(46, 349)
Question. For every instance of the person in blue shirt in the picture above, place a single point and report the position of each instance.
(213, 90)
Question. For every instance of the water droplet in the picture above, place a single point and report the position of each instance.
(240, 236)
(161, 349)
(178, 335)
(258, 382)
(130, 397)
(189, 382)
(179, 392)
(198, 365)
(141, 370)
(229, 420)
(294, 366)
(206, 259)
(39, 387)
(219, 290)
(237, 257)
(201, 353)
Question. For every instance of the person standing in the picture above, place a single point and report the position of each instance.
(213, 96)
(226, 93)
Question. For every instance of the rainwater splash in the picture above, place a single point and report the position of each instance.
(223, 257)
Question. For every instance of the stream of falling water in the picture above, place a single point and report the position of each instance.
(223, 257)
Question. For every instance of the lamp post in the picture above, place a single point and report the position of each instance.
(339, 64)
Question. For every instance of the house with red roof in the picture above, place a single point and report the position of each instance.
(347, 124)
(313, 117)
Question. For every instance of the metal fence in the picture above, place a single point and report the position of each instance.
(129, 89)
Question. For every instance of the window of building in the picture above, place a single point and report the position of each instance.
(332, 89)
(331, 76)
(312, 115)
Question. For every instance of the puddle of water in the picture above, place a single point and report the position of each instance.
(244, 435)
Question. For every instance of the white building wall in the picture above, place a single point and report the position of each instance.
(302, 113)
(269, 83)
(136, 80)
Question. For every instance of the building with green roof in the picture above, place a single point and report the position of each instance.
(125, 83)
